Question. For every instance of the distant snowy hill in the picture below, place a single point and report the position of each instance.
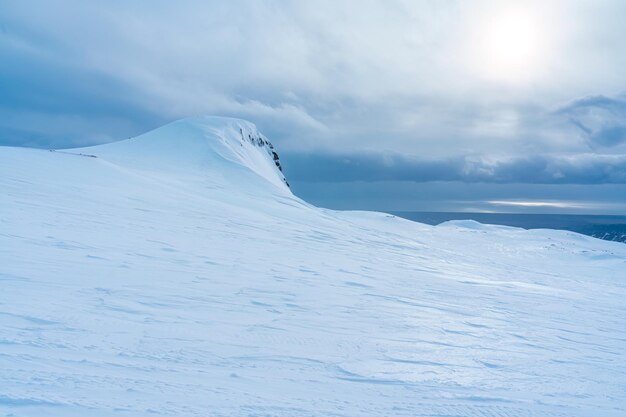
(175, 274)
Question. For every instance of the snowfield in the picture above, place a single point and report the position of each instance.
(175, 274)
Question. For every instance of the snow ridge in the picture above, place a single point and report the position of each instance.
(208, 143)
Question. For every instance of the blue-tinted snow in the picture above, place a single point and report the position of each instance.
(175, 274)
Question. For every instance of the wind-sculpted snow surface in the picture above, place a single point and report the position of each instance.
(175, 274)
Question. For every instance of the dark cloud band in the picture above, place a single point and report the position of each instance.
(578, 169)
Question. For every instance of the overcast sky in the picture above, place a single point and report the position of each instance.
(390, 105)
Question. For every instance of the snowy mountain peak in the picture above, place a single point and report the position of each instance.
(220, 146)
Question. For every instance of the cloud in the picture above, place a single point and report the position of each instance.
(537, 169)
(80, 73)
(601, 119)
(458, 196)
(329, 77)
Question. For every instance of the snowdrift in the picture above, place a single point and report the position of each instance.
(175, 274)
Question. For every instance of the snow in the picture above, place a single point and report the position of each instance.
(175, 274)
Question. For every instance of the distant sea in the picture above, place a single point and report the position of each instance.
(600, 226)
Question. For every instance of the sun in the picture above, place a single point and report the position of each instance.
(510, 42)
(509, 45)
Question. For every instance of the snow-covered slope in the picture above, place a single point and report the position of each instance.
(208, 146)
(175, 274)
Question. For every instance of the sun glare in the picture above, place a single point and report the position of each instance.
(509, 46)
